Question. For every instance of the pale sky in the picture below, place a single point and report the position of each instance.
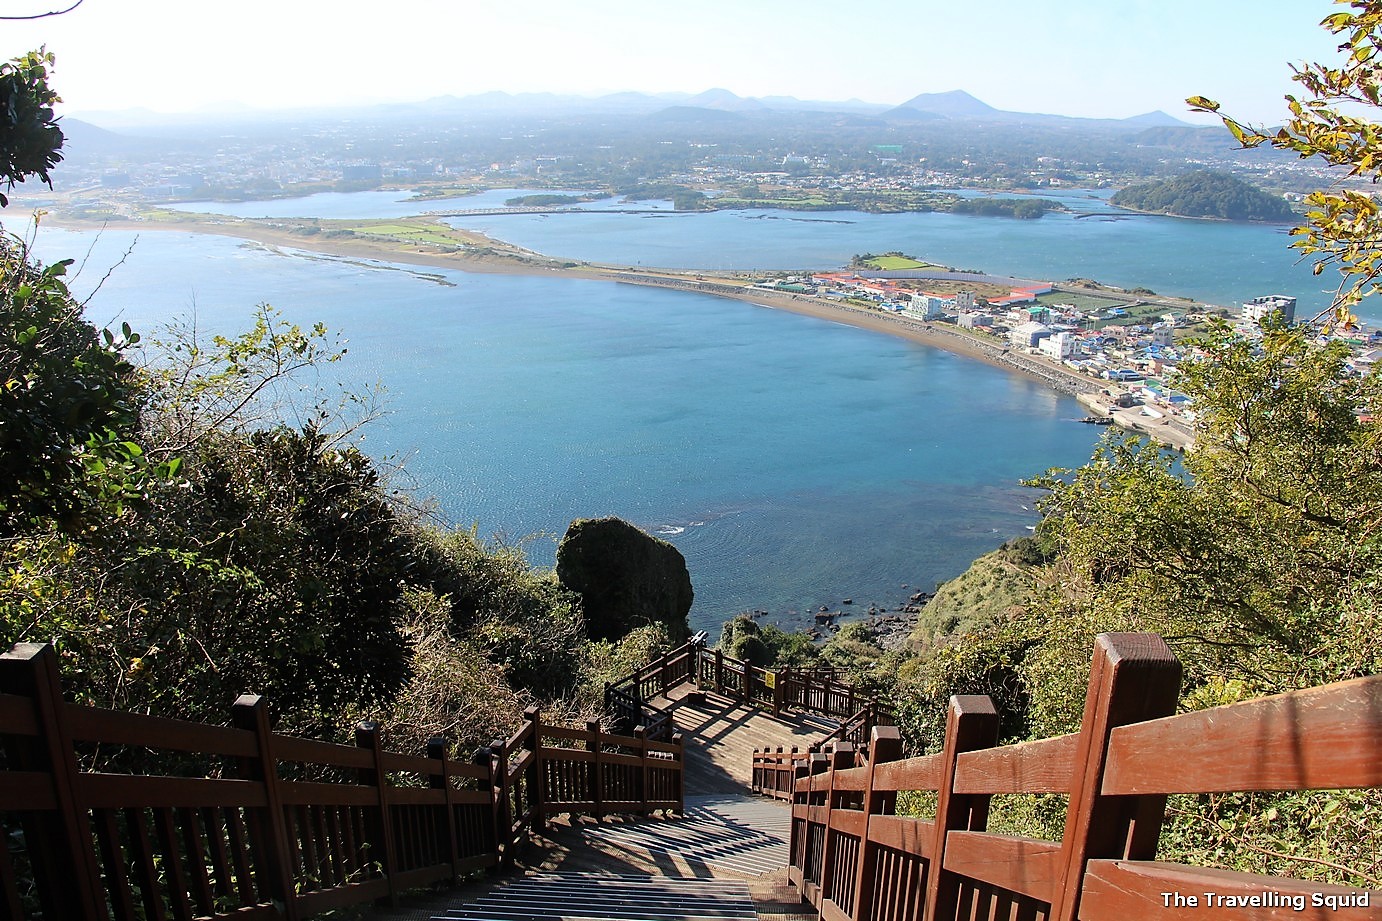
(1098, 58)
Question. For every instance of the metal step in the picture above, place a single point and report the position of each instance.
(599, 897)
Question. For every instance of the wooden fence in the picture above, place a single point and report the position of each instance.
(853, 857)
(810, 690)
(272, 826)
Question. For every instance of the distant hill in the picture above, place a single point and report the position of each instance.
(725, 101)
(961, 106)
(1157, 119)
(954, 104)
(1205, 193)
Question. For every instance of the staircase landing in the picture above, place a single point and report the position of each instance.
(721, 735)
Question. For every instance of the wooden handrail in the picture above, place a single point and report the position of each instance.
(815, 690)
(250, 843)
(1116, 772)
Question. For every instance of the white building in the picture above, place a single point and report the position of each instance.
(1163, 335)
(927, 306)
(964, 300)
(1260, 307)
(1028, 335)
(1059, 346)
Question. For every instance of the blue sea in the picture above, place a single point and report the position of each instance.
(795, 462)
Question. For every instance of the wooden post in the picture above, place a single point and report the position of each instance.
(485, 757)
(436, 748)
(885, 744)
(812, 874)
(796, 843)
(791, 772)
(1134, 677)
(503, 807)
(680, 742)
(842, 758)
(59, 841)
(537, 795)
(597, 779)
(719, 672)
(641, 733)
(379, 833)
(970, 724)
(269, 833)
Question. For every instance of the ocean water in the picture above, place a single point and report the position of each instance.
(795, 462)
(1218, 262)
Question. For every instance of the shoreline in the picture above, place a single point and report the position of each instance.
(507, 259)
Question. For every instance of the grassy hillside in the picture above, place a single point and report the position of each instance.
(994, 587)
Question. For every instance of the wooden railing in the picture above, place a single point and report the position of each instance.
(278, 827)
(853, 857)
(812, 690)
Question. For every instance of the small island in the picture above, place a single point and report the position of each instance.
(870, 202)
(1206, 194)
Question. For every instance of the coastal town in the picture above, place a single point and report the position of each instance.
(1119, 361)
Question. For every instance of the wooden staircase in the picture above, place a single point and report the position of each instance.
(725, 854)
(597, 897)
(618, 826)
(270, 827)
(741, 834)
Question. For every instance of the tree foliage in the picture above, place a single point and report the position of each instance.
(68, 407)
(1258, 556)
(30, 139)
(1329, 120)
(1021, 208)
(1205, 193)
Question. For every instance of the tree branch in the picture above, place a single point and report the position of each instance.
(43, 15)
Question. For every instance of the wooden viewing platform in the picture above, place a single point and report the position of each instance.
(650, 822)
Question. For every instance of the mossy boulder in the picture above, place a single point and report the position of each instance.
(626, 578)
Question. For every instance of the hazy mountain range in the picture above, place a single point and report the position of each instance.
(714, 104)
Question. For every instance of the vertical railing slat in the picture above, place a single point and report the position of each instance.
(197, 860)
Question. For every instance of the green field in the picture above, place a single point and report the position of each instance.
(898, 263)
(413, 233)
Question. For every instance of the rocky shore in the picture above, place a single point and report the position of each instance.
(887, 626)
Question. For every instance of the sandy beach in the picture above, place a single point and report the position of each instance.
(506, 259)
